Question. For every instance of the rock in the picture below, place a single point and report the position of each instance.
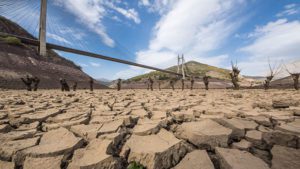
(285, 158)
(3, 115)
(111, 127)
(280, 104)
(237, 96)
(255, 137)
(277, 120)
(4, 128)
(30, 126)
(262, 120)
(95, 156)
(205, 133)
(183, 116)
(17, 135)
(146, 127)
(242, 145)
(293, 127)
(16, 121)
(236, 159)
(280, 138)
(296, 111)
(105, 113)
(262, 154)
(262, 105)
(19, 102)
(88, 132)
(7, 165)
(117, 141)
(195, 160)
(161, 150)
(21, 111)
(40, 115)
(8, 149)
(130, 121)
(53, 143)
(238, 126)
(140, 113)
(101, 119)
(4, 121)
(156, 115)
(264, 129)
(46, 162)
(65, 124)
(1, 106)
(69, 115)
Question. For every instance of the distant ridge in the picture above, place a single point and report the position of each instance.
(193, 68)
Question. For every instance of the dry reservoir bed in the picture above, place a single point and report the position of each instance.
(247, 129)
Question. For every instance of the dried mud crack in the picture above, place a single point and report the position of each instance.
(107, 129)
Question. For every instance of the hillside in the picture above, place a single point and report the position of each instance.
(18, 60)
(192, 68)
(219, 78)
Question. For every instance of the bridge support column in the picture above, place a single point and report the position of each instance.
(42, 28)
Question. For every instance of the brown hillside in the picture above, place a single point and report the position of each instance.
(18, 60)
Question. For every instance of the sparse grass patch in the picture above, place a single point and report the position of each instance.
(135, 165)
(12, 40)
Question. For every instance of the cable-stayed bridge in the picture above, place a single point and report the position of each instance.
(41, 23)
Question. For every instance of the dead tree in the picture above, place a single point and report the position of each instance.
(206, 81)
(295, 77)
(234, 75)
(271, 76)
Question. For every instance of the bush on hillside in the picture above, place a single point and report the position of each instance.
(12, 40)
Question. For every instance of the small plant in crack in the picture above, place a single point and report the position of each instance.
(135, 165)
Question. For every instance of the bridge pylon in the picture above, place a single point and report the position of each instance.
(181, 66)
(42, 28)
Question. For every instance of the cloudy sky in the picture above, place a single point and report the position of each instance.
(154, 32)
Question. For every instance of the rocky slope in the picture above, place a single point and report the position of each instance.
(18, 60)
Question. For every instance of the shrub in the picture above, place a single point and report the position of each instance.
(135, 165)
(12, 40)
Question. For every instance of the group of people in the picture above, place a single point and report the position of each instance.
(31, 83)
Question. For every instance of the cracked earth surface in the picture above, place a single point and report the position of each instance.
(107, 129)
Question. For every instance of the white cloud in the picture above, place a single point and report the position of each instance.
(74, 32)
(157, 6)
(279, 41)
(192, 27)
(83, 65)
(95, 64)
(144, 3)
(289, 9)
(92, 12)
(128, 13)
(128, 73)
(58, 38)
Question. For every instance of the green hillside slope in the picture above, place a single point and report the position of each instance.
(192, 68)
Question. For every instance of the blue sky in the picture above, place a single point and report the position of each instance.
(154, 32)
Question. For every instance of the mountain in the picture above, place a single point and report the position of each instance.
(18, 60)
(104, 81)
(219, 77)
(192, 68)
